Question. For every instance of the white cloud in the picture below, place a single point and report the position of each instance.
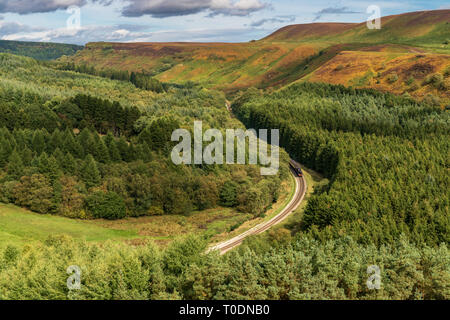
(8, 28)
(277, 19)
(123, 33)
(169, 8)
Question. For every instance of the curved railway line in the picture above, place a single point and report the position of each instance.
(300, 192)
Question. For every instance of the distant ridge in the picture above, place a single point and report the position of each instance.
(39, 50)
(308, 30)
(402, 27)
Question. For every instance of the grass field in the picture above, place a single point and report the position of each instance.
(19, 226)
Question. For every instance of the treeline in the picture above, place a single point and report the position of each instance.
(89, 176)
(103, 115)
(110, 169)
(79, 112)
(140, 80)
(108, 158)
(38, 50)
(300, 269)
(384, 182)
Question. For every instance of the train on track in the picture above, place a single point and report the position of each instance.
(296, 167)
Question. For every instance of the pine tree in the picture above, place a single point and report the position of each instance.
(38, 142)
(114, 152)
(20, 139)
(15, 165)
(89, 172)
(53, 169)
(72, 146)
(86, 140)
(57, 197)
(59, 156)
(102, 154)
(122, 146)
(69, 165)
(56, 141)
(27, 156)
(146, 152)
(5, 152)
(111, 145)
(42, 163)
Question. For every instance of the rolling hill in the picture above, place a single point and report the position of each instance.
(424, 28)
(38, 50)
(293, 53)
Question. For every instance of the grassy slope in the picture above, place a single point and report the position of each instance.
(422, 28)
(279, 59)
(20, 226)
(372, 69)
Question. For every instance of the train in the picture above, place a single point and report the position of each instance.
(296, 167)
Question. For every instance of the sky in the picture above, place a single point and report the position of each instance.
(83, 21)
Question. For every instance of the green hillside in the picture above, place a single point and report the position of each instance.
(87, 177)
(39, 50)
(66, 150)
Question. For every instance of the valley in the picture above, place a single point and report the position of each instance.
(88, 177)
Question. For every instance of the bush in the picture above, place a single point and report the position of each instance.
(434, 79)
(155, 211)
(447, 72)
(445, 85)
(107, 205)
(392, 77)
(414, 86)
(432, 100)
(228, 194)
(410, 81)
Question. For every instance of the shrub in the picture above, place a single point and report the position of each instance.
(228, 194)
(410, 81)
(155, 211)
(392, 77)
(445, 85)
(107, 205)
(432, 100)
(447, 72)
(414, 86)
(434, 79)
(339, 67)
(7, 191)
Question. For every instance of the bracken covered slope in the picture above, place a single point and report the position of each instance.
(293, 53)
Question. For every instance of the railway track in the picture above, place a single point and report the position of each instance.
(300, 191)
